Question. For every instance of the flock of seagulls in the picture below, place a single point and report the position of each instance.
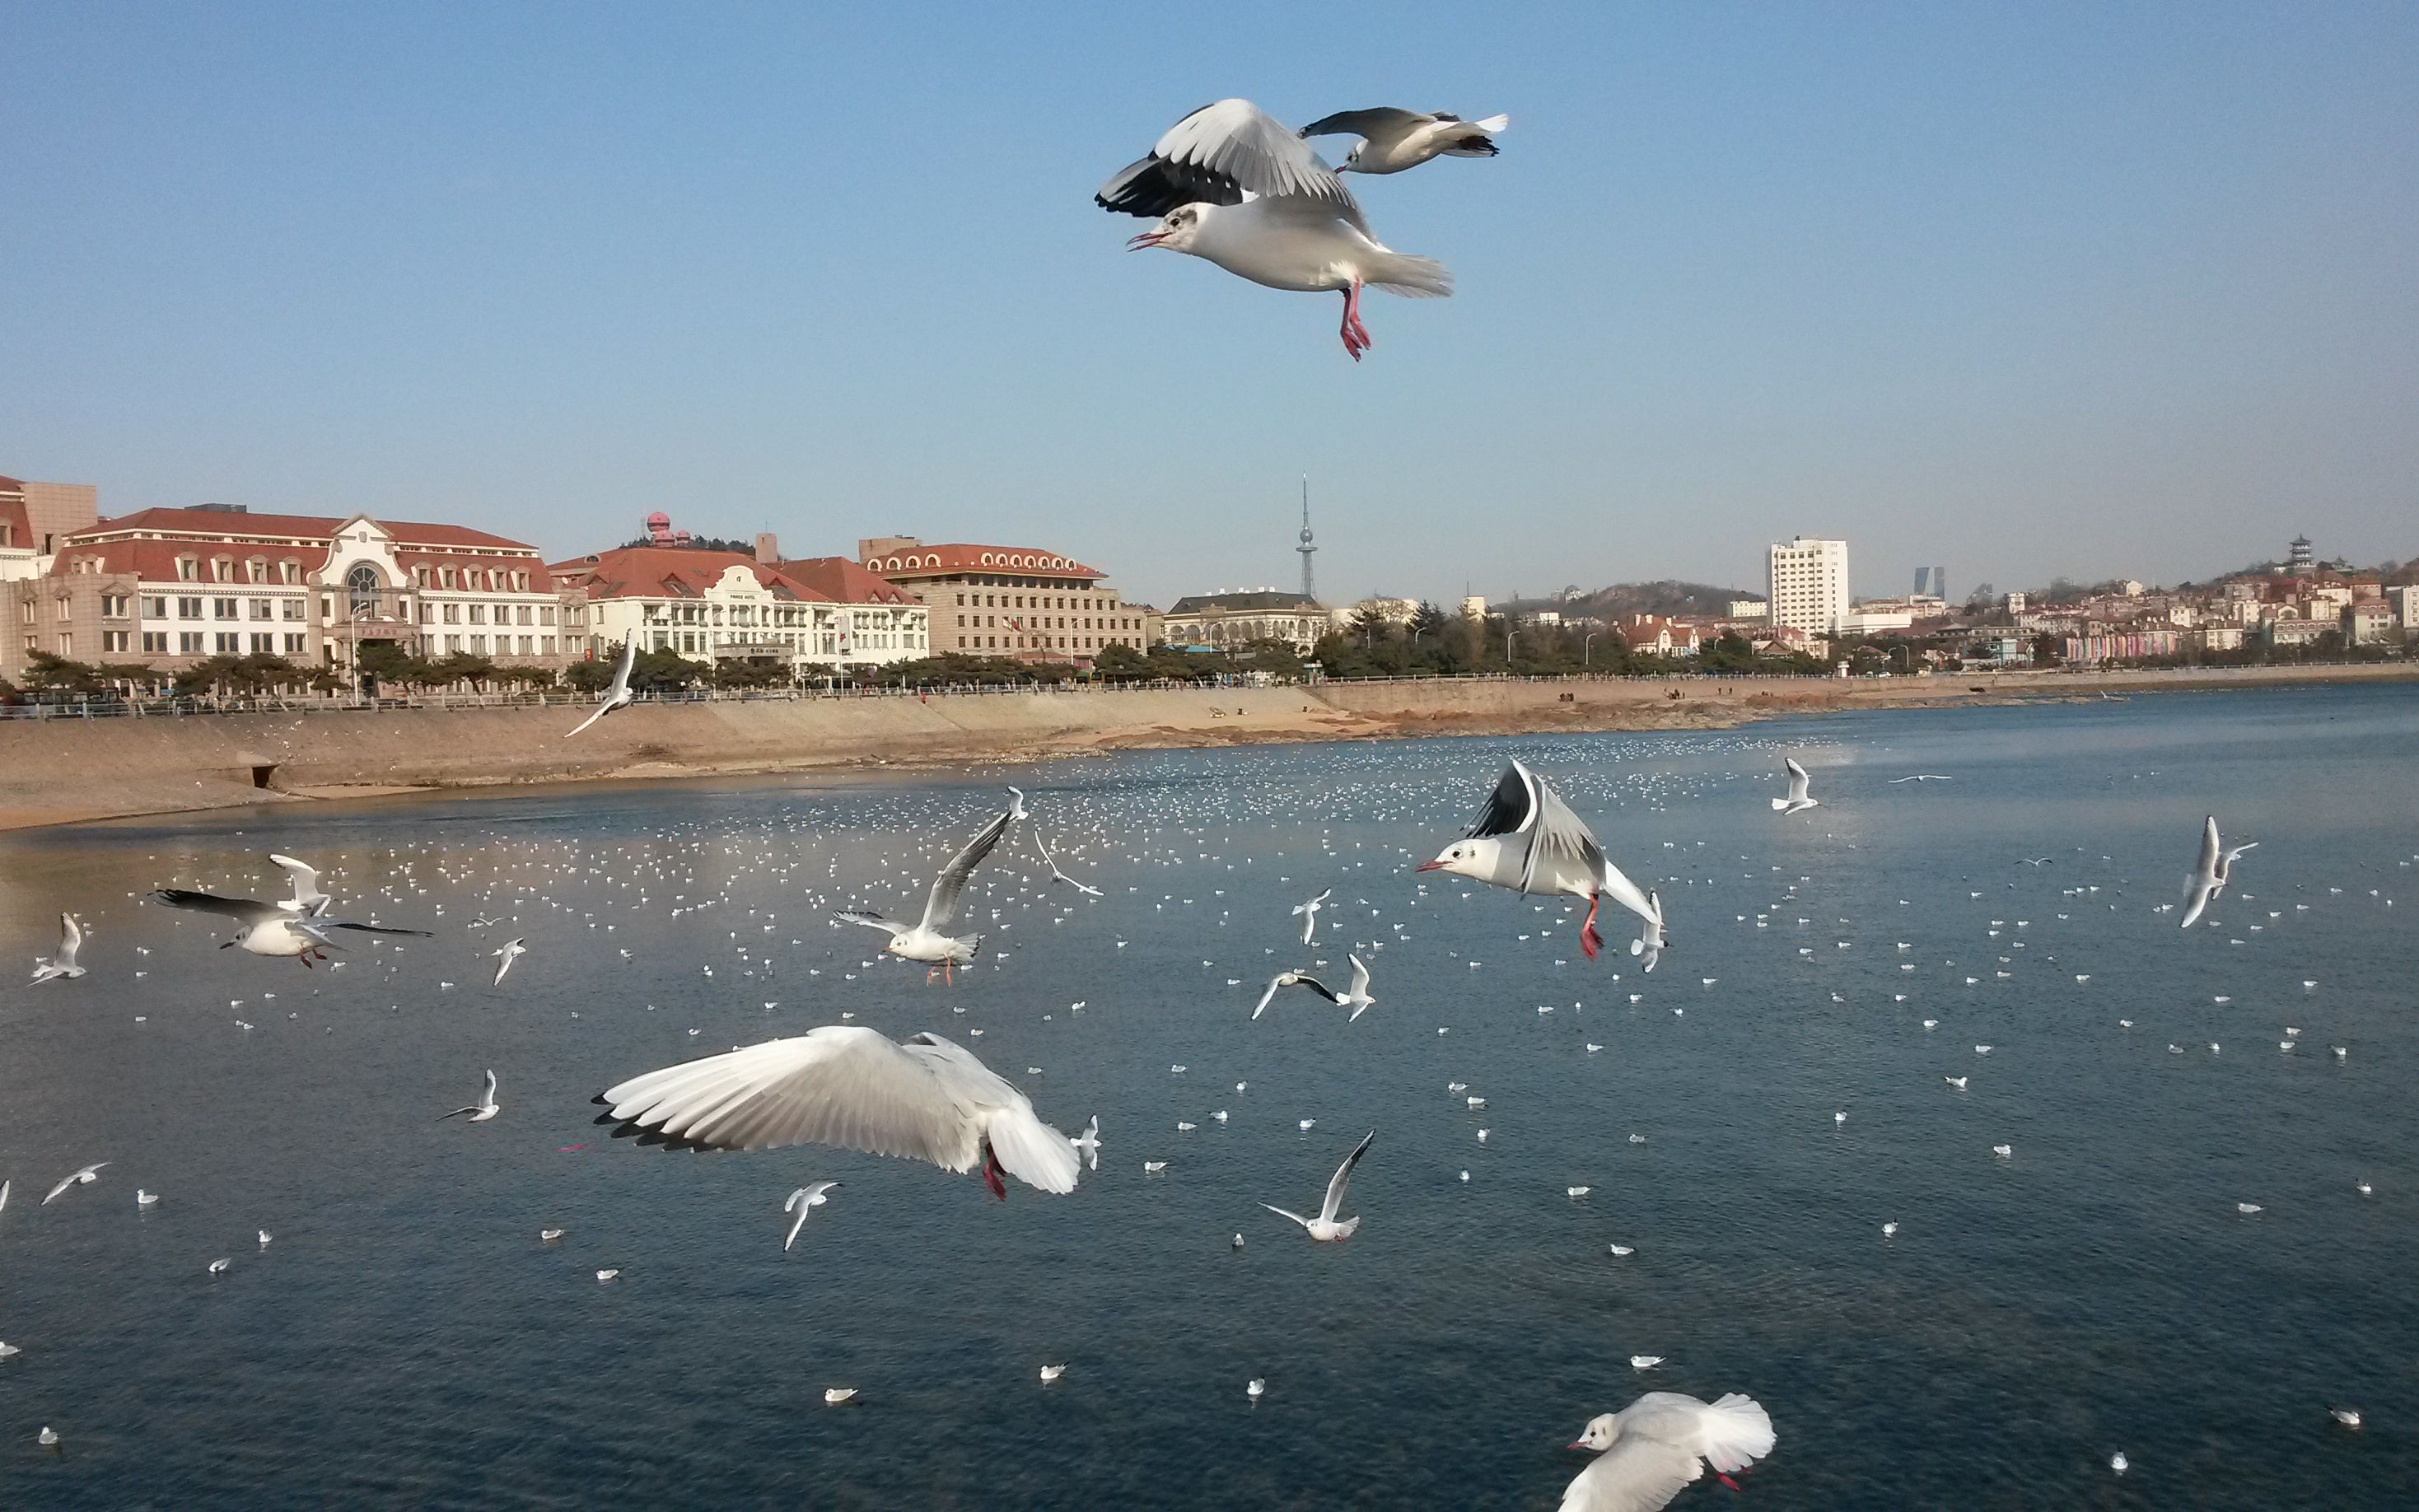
(931, 1099)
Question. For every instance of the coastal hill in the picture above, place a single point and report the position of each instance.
(1665, 597)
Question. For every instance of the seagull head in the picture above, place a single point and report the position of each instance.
(1461, 856)
(1601, 1431)
(1174, 231)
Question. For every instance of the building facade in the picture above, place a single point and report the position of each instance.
(166, 588)
(1233, 620)
(1808, 583)
(1008, 601)
(725, 606)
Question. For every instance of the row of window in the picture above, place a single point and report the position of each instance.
(472, 580)
(1040, 643)
(1054, 601)
(506, 645)
(505, 613)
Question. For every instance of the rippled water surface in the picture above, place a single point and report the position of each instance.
(406, 1340)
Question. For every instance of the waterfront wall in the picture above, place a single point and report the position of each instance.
(62, 770)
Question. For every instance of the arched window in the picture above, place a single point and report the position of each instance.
(361, 585)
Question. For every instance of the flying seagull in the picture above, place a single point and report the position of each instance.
(1325, 1228)
(1528, 840)
(617, 693)
(1232, 186)
(1088, 1143)
(481, 1111)
(1921, 777)
(307, 897)
(83, 1177)
(1016, 811)
(929, 940)
(804, 1199)
(1393, 140)
(1357, 994)
(1648, 947)
(270, 929)
(513, 951)
(848, 1086)
(51, 968)
(1308, 913)
(1651, 1450)
(2211, 872)
(1798, 802)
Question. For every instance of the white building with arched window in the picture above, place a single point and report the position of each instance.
(723, 606)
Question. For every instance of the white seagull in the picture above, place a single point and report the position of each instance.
(481, 1111)
(1651, 1450)
(1233, 187)
(83, 1177)
(1648, 947)
(929, 940)
(1088, 1143)
(1528, 840)
(1393, 140)
(848, 1086)
(308, 898)
(513, 951)
(63, 965)
(1308, 913)
(268, 929)
(1325, 1228)
(805, 1198)
(617, 693)
(1798, 802)
(2211, 872)
(1357, 994)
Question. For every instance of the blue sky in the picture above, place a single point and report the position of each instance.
(2021, 289)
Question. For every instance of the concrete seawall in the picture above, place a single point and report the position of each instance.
(60, 771)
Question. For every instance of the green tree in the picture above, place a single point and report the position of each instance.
(59, 676)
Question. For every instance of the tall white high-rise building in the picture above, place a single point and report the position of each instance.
(1809, 585)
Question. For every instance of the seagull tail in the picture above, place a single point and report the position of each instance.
(1493, 123)
(1737, 1432)
(1417, 278)
(1779, 804)
(1032, 1151)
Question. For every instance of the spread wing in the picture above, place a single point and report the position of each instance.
(70, 939)
(870, 920)
(306, 880)
(1382, 119)
(1220, 154)
(1511, 808)
(1360, 977)
(248, 909)
(941, 908)
(1342, 1176)
(836, 1085)
(621, 685)
(315, 924)
(2210, 849)
(1634, 1476)
(1798, 780)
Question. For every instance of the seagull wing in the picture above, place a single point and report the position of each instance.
(1562, 835)
(1220, 154)
(1511, 808)
(306, 880)
(70, 941)
(837, 1085)
(1283, 1213)
(1342, 1176)
(1799, 781)
(1634, 1476)
(620, 687)
(1318, 986)
(489, 1100)
(317, 923)
(1275, 983)
(1383, 120)
(2210, 850)
(870, 920)
(941, 908)
(250, 910)
(1360, 977)
(602, 710)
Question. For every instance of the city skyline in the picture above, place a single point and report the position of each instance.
(2032, 293)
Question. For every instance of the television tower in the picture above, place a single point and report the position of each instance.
(1307, 549)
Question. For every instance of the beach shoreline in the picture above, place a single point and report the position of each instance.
(71, 771)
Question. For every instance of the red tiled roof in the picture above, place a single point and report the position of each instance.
(843, 581)
(925, 560)
(670, 572)
(155, 562)
(12, 485)
(317, 527)
(21, 530)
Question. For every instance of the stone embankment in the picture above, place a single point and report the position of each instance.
(57, 771)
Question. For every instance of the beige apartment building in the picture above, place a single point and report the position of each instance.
(166, 588)
(1010, 601)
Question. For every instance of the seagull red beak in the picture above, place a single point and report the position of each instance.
(1576, 1444)
(1148, 238)
(1429, 865)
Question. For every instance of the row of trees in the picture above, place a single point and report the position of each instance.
(1435, 644)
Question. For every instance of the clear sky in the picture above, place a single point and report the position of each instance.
(2017, 289)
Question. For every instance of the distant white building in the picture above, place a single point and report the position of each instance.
(1473, 607)
(721, 606)
(1808, 583)
(2016, 603)
(1750, 609)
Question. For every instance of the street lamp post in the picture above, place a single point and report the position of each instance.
(1587, 649)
